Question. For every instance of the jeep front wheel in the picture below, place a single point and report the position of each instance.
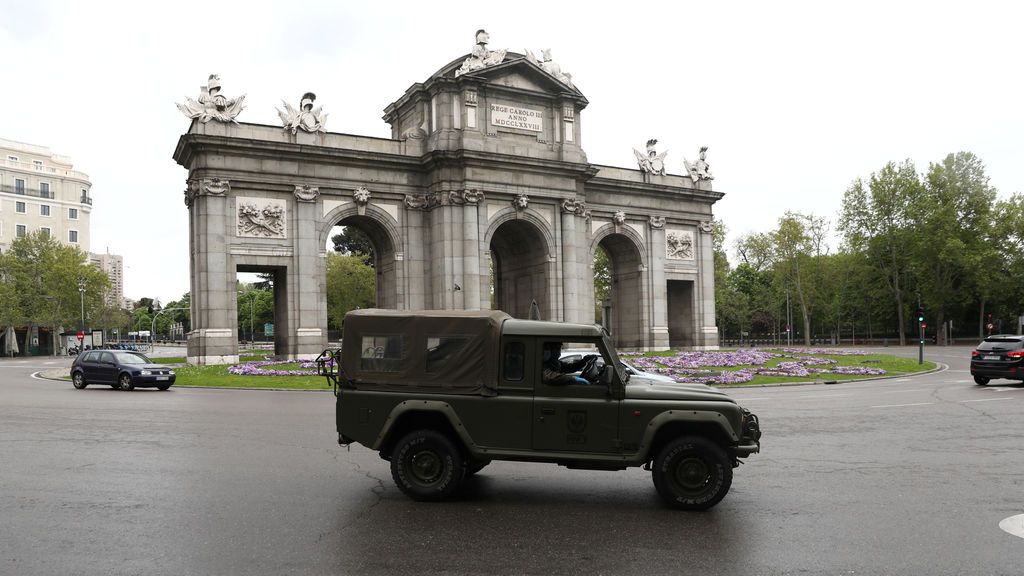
(692, 473)
(427, 466)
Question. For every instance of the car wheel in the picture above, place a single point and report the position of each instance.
(78, 380)
(474, 466)
(692, 473)
(126, 382)
(980, 380)
(163, 386)
(427, 466)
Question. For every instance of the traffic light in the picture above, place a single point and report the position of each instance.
(920, 314)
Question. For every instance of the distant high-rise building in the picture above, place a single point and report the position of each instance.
(39, 191)
(113, 265)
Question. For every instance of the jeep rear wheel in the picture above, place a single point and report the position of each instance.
(692, 473)
(427, 466)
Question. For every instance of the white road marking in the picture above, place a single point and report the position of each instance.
(986, 400)
(902, 405)
(901, 391)
(822, 395)
(903, 380)
(1013, 525)
(1002, 389)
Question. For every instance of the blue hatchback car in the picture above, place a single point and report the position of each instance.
(119, 369)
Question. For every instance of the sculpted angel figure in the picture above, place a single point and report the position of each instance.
(652, 162)
(306, 117)
(212, 105)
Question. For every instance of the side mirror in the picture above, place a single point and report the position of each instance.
(606, 376)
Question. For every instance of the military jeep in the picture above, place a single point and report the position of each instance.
(441, 394)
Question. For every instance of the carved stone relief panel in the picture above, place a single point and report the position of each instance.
(261, 218)
(679, 244)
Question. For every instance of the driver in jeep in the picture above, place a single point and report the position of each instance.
(556, 372)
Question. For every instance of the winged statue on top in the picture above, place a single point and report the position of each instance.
(212, 105)
(652, 162)
(306, 117)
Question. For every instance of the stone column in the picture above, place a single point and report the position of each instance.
(472, 254)
(659, 303)
(707, 331)
(213, 338)
(570, 267)
(306, 334)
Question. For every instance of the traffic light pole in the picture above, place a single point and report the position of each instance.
(920, 330)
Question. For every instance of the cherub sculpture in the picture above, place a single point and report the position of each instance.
(212, 105)
(306, 117)
(652, 162)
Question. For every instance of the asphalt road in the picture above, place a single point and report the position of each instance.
(899, 476)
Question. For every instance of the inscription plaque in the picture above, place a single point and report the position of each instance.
(515, 117)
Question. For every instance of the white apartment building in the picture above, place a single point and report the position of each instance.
(113, 265)
(39, 190)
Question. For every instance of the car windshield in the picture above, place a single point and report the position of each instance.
(130, 358)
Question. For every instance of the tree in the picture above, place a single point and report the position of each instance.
(876, 221)
(354, 241)
(44, 279)
(955, 221)
(602, 280)
(351, 284)
(255, 308)
(731, 306)
(798, 243)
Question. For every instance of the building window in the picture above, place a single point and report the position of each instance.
(19, 186)
(19, 207)
(19, 231)
(12, 158)
(44, 190)
(73, 236)
(72, 213)
(44, 231)
(44, 209)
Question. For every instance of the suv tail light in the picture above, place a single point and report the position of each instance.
(1015, 354)
(975, 353)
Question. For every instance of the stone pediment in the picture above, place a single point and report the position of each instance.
(517, 71)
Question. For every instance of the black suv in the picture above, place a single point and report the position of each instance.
(999, 356)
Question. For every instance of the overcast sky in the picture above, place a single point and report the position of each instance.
(794, 99)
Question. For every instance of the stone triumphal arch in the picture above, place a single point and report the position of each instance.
(484, 178)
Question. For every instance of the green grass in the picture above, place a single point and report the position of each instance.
(218, 377)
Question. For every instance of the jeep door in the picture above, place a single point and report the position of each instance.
(569, 417)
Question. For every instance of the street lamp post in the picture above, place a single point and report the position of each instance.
(81, 293)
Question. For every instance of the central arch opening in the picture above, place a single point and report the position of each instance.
(519, 262)
(361, 269)
(619, 268)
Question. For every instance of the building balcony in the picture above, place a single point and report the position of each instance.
(22, 191)
(86, 199)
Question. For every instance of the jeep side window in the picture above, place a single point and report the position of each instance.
(514, 361)
(382, 353)
(441, 348)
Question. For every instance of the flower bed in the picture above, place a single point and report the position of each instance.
(261, 368)
(692, 367)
